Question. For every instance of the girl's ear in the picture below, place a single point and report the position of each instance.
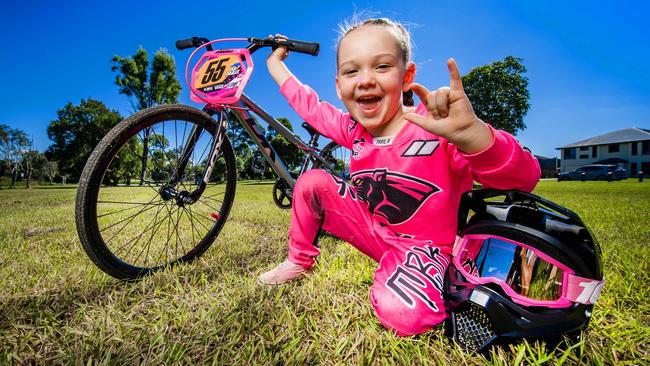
(338, 89)
(409, 76)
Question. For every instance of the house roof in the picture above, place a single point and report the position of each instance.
(614, 137)
(540, 157)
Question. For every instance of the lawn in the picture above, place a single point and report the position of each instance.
(56, 307)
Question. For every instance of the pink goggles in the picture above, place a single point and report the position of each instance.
(528, 276)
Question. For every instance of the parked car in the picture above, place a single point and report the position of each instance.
(594, 172)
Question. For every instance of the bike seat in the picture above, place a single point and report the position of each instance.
(309, 129)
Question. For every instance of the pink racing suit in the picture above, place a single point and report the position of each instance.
(401, 206)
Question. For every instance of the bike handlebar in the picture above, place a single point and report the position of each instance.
(182, 44)
(310, 48)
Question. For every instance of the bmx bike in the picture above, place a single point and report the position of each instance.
(158, 188)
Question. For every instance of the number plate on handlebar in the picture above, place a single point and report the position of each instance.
(219, 77)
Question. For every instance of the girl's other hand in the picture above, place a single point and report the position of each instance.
(450, 114)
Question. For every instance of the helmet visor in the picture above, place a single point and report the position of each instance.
(518, 268)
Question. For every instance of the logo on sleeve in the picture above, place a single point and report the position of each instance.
(421, 148)
(357, 147)
(392, 197)
(352, 125)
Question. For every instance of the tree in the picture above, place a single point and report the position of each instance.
(13, 145)
(499, 93)
(76, 132)
(4, 148)
(125, 164)
(291, 155)
(29, 162)
(147, 85)
(50, 170)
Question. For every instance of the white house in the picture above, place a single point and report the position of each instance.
(628, 148)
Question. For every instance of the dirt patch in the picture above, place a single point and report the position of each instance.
(36, 231)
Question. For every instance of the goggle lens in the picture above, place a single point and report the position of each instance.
(518, 266)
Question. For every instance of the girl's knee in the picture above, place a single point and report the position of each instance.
(404, 320)
(407, 292)
(313, 180)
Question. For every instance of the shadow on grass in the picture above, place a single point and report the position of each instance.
(57, 304)
(56, 187)
(22, 187)
(257, 182)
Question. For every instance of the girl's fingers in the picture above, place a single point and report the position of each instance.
(421, 92)
(442, 101)
(415, 118)
(432, 105)
(455, 82)
(428, 98)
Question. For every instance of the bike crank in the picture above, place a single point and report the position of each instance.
(282, 194)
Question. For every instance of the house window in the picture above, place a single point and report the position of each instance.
(584, 156)
(635, 148)
(645, 148)
(584, 148)
(594, 151)
(570, 153)
(633, 169)
(613, 148)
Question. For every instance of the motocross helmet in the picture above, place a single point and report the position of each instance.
(522, 267)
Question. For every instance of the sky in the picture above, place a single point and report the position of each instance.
(588, 61)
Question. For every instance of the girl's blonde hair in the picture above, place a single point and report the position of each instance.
(401, 35)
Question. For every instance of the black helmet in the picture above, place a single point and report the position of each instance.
(523, 267)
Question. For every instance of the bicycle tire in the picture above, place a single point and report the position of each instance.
(91, 188)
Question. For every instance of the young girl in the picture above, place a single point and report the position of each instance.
(408, 168)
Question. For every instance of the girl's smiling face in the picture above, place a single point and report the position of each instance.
(371, 77)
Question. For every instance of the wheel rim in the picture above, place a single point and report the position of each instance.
(146, 227)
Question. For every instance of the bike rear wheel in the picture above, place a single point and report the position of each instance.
(338, 158)
(128, 222)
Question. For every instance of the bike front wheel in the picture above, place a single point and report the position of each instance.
(130, 212)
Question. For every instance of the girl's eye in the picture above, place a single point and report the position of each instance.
(349, 72)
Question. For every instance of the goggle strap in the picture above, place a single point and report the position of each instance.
(583, 290)
(457, 245)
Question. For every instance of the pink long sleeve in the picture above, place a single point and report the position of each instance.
(503, 165)
(324, 117)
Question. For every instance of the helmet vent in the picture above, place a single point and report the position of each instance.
(473, 327)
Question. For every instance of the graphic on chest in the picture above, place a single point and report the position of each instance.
(393, 197)
(421, 148)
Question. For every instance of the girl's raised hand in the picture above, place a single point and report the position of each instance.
(450, 114)
(280, 53)
(275, 62)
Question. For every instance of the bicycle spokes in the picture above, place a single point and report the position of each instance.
(161, 218)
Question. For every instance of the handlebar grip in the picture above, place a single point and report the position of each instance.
(182, 44)
(310, 48)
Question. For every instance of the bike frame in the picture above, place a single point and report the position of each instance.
(243, 111)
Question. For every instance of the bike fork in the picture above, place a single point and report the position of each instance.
(183, 197)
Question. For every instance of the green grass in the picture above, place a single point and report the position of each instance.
(56, 307)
